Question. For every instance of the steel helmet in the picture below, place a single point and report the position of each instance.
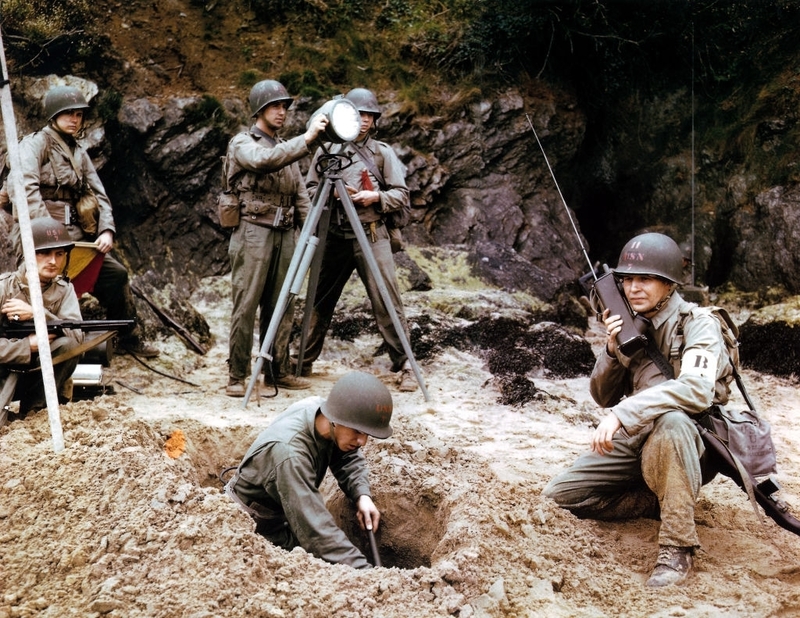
(61, 98)
(362, 402)
(365, 101)
(50, 234)
(651, 254)
(265, 92)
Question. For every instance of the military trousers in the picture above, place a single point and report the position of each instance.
(30, 388)
(260, 258)
(664, 475)
(342, 256)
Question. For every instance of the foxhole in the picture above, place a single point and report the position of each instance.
(411, 527)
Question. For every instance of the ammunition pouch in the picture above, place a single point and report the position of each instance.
(61, 211)
(272, 210)
(228, 209)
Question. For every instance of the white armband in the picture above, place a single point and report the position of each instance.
(698, 362)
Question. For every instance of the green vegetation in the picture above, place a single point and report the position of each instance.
(44, 35)
(108, 104)
(206, 111)
(604, 48)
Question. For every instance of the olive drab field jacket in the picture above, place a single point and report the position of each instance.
(60, 303)
(264, 173)
(52, 184)
(637, 392)
(282, 472)
(394, 195)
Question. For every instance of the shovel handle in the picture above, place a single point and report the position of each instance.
(376, 558)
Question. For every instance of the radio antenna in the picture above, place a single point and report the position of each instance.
(563, 201)
(692, 163)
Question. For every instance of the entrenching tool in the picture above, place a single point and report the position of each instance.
(373, 545)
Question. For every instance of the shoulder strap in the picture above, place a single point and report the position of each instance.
(55, 136)
(730, 335)
(369, 162)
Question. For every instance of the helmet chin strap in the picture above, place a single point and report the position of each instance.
(664, 300)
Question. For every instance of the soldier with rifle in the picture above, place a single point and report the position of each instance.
(52, 243)
(61, 182)
(647, 455)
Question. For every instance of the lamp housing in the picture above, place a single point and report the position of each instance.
(344, 120)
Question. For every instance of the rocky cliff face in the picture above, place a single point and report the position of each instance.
(478, 180)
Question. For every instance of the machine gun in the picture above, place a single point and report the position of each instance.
(18, 330)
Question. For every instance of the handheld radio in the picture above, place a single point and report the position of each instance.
(604, 291)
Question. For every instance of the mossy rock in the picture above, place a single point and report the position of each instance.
(770, 339)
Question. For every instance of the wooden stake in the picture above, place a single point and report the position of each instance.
(17, 189)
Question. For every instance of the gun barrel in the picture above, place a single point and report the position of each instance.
(18, 330)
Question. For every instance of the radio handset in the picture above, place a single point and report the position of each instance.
(632, 337)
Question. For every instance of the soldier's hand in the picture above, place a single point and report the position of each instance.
(315, 127)
(603, 435)
(105, 242)
(613, 327)
(17, 310)
(368, 515)
(365, 198)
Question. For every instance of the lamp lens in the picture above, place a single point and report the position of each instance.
(345, 120)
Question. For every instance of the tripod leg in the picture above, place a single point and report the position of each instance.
(311, 295)
(361, 236)
(7, 394)
(304, 243)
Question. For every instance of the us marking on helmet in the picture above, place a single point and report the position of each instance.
(362, 402)
(651, 254)
(50, 234)
(62, 98)
(365, 101)
(265, 92)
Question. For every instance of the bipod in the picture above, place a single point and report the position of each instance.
(316, 227)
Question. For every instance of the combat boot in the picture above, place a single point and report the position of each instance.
(235, 388)
(672, 566)
(292, 383)
(406, 382)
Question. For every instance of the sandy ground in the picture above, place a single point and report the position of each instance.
(129, 522)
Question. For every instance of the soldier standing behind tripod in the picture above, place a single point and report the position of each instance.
(271, 200)
(376, 181)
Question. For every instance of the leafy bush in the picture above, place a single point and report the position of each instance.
(47, 35)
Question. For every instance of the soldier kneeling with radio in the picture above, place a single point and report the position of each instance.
(646, 456)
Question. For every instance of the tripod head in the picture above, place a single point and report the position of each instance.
(331, 163)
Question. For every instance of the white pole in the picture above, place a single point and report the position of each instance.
(17, 190)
